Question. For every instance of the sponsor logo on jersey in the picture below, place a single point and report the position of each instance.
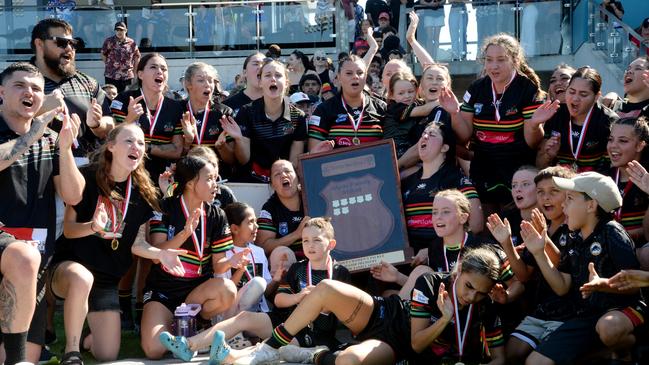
(466, 97)
(265, 214)
(314, 120)
(341, 118)
(477, 107)
(283, 228)
(418, 296)
(116, 104)
(596, 249)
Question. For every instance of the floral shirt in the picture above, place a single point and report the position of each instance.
(121, 58)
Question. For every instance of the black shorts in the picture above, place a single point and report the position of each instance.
(306, 337)
(104, 294)
(572, 339)
(171, 294)
(390, 323)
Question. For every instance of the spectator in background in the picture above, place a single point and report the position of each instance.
(431, 13)
(298, 65)
(110, 90)
(274, 52)
(615, 7)
(457, 23)
(374, 8)
(323, 68)
(120, 54)
(310, 84)
(384, 21)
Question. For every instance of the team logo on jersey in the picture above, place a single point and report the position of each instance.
(168, 127)
(477, 107)
(421, 186)
(289, 129)
(563, 240)
(341, 118)
(212, 131)
(297, 219)
(171, 232)
(595, 249)
(511, 111)
(283, 228)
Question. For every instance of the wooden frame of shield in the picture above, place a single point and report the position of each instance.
(358, 187)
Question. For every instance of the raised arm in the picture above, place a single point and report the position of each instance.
(422, 55)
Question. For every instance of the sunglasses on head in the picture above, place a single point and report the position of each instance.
(63, 42)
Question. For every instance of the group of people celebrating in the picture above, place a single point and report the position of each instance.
(526, 211)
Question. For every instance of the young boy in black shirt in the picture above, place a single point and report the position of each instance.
(598, 245)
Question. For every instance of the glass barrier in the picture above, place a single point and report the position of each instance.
(619, 43)
(161, 29)
(293, 25)
(93, 26)
(16, 26)
(225, 27)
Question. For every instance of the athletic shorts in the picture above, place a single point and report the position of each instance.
(390, 323)
(533, 330)
(103, 296)
(572, 339)
(171, 296)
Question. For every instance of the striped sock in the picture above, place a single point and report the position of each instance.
(280, 337)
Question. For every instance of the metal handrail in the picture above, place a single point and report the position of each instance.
(613, 18)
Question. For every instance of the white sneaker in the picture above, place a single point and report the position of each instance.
(262, 355)
(302, 355)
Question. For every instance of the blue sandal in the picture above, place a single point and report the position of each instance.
(178, 345)
(219, 350)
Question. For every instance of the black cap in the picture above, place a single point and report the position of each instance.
(121, 25)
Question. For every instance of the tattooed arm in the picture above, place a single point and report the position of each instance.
(10, 151)
(170, 151)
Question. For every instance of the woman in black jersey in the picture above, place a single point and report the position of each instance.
(252, 91)
(205, 120)
(353, 116)
(99, 235)
(627, 142)
(636, 101)
(158, 116)
(497, 114)
(390, 330)
(282, 217)
(273, 127)
(436, 149)
(191, 223)
(576, 135)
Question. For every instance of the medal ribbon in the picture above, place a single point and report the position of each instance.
(584, 129)
(254, 270)
(199, 246)
(156, 114)
(330, 271)
(355, 124)
(496, 101)
(627, 187)
(448, 268)
(114, 225)
(199, 137)
(461, 338)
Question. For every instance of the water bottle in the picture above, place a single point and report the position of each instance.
(185, 319)
(615, 44)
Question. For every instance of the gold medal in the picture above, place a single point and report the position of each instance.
(356, 141)
(114, 244)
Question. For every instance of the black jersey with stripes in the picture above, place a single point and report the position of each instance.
(418, 195)
(330, 121)
(592, 155)
(484, 329)
(499, 143)
(270, 140)
(276, 217)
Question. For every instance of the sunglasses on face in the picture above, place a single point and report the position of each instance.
(62, 42)
(320, 58)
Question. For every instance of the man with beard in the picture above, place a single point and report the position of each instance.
(55, 51)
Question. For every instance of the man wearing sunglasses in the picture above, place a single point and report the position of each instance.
(55, 51)
(121, 55)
